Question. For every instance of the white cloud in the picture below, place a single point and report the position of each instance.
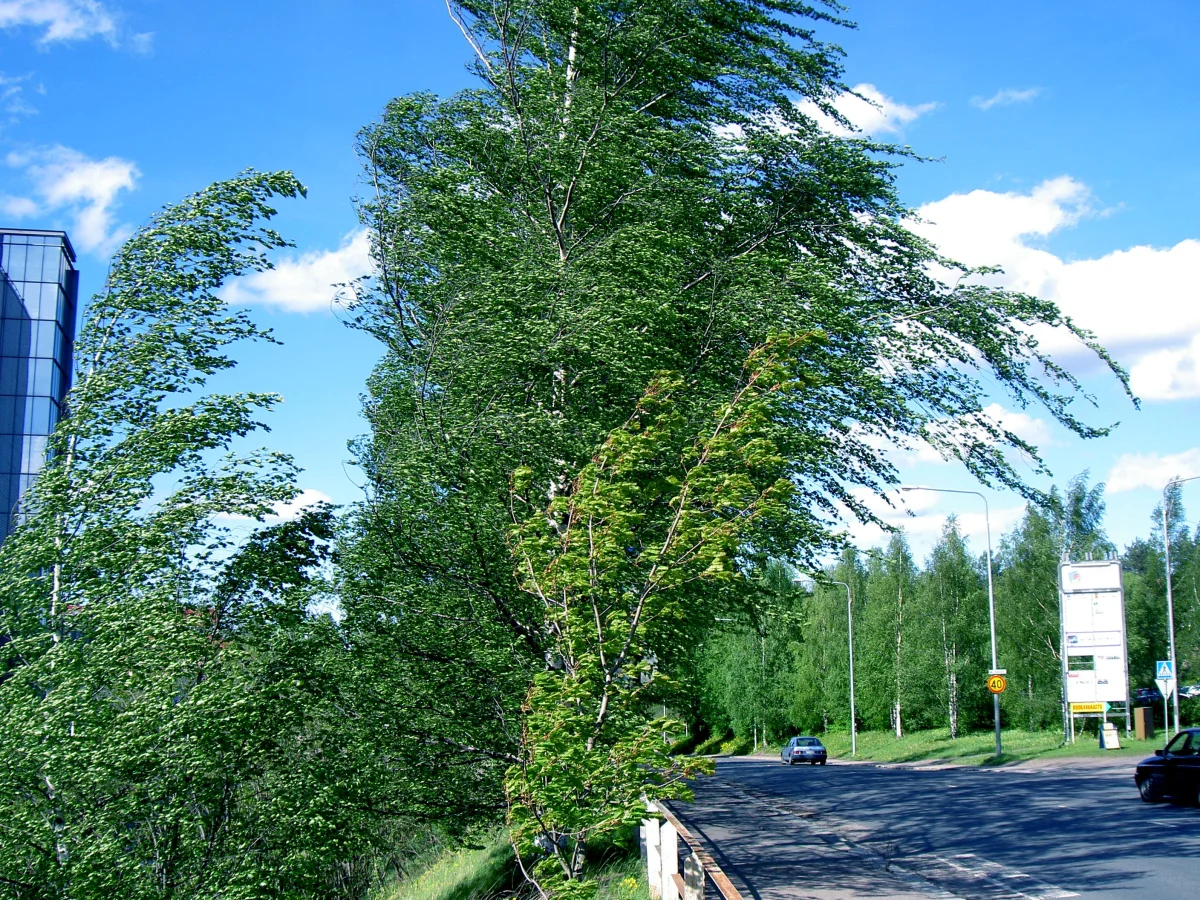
(905, 457)
(983, 223)
(12, 96)
(1006, 97)
(1139, 302)
(1033, 430)
(1170, 374)
(307, 283)
(872, 112)
(292, 509)
(63, 180)
(929, 514)
(62, 20)
(18, 207)
(1151, 470)
(286, 511)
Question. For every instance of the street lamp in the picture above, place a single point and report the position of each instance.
(1170, 599)
(850, 633)
(991, 593)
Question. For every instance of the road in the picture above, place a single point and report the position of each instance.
(852, 830)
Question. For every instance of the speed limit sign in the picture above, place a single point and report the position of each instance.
(997, 683)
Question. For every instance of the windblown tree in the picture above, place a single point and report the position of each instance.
(1078, 517)
(174, 719)
(646, 539)
(633, 189)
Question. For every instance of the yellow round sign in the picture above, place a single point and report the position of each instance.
(997, 684)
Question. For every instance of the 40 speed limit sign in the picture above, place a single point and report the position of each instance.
(997, 683)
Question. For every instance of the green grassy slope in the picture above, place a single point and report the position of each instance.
(491, 873)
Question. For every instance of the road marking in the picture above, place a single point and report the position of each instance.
(985, 878)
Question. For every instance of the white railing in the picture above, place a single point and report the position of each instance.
(660, 849)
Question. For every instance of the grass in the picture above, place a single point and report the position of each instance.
(624, 879)
(725, 745)
(490, 873)
(463, 874)
(977, 748)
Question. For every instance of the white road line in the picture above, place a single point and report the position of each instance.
(1000, 878)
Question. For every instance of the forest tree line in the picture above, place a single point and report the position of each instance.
(921, 632)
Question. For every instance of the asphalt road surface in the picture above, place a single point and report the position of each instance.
(854, 830)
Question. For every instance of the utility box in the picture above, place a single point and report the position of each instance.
(1143, 723)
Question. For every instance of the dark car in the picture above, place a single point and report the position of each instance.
(803, 749)
(1173, 772)
(1146, 696)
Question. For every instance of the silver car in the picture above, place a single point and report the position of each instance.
(803, 749)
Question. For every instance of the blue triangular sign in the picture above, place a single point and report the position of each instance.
(1165, 669)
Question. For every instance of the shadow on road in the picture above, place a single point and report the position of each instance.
(853, 830)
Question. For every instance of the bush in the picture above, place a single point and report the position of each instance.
(713, 744)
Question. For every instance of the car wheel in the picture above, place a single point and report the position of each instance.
(822, 762)
(791, 762)
(1150, 789)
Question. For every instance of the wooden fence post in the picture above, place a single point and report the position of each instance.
(668, 839)
(651, 834)
(693, 878)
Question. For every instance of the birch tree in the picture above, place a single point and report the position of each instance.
(955, 624)
(174, 720)
(630, 189)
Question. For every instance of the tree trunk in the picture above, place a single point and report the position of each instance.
(1031, 703)
(899, 648)
(950, 659)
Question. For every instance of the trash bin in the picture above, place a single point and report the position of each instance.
(1143, 722)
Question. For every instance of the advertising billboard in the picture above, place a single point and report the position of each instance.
(1093, 632)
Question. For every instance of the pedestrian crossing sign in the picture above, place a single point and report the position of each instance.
(1164, 668)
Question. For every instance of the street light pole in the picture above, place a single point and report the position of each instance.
(991, 593)
(850, 631)
(1170, 599)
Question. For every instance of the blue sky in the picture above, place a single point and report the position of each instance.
(1064, 136)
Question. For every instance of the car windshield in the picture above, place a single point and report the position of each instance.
(807, 742)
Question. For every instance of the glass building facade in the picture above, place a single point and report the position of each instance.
(39, 293)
